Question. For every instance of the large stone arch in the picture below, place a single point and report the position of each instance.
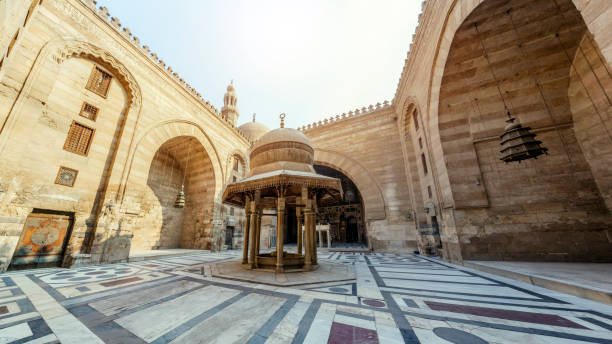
(371, 192)
(153, 137)
(457, 13)
(515, 57)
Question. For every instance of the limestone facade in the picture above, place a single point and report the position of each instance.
(426, 164)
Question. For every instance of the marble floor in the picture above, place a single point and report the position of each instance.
(393, 299)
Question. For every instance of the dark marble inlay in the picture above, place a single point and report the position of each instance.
(339, 290)
(535, 318)
(105, 276)
(3, 310)
(374, 303)
(342, 333)
(95, 273)
(120, 281)
(457, 336)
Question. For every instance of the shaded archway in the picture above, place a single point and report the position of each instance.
(518, 56)
(180, 161)
(345, 216)
(371, 191)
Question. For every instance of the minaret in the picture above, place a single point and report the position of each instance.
(229, 111)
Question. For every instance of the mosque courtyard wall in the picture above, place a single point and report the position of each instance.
(98, 135)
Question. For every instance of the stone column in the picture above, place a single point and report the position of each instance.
(328, 237)
(280, 233)
(307, 251)
(298, 214)
(245, 238)
(320, 238)
(313, 224)
(258, 233)
(253, 232)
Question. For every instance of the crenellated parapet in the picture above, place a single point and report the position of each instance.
(351, 114)
(418, 32)
(102, 13)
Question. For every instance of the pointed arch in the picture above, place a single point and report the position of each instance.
(374, 202)
(154, 136)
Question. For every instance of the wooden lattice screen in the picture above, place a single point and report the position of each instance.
(89, 111)
(99, 81)
(79, 138)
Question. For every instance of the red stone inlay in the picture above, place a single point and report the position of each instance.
(374, 303)
(121, 281)
(151, 265)
(536, 318)
(342, 333)
(3, 310)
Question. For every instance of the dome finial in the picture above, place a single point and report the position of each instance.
(282, 118)
(254, 116)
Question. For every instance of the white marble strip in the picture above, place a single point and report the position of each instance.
(17, 318)
(366, 284)
(352, 321)
(15, 333)
(386, 329)
(288, 327)
(459, 288)
(43, 340)
(321, 325)
(168, 315)
(432, 295)
(136, 299)
(66, 326)
(236, 323)
(10, 299)
(436, 278)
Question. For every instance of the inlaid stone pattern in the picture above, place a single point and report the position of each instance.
(395, 299)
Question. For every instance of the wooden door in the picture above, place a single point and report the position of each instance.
(43, 240)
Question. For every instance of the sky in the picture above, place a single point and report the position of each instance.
(308, 59)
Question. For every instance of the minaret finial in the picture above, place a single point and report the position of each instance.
(232, 82)
(282, 118)
(254, 116)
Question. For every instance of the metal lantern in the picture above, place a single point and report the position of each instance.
(518, 143)
(180, 198)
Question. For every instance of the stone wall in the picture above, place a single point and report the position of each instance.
(367, 149)
(553, 208)
(42, 89)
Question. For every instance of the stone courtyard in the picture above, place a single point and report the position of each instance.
(474, 206)
(394, 298)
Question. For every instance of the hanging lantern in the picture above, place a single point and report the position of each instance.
(180, 198)
(518, 143)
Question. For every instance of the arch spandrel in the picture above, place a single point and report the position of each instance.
(371, 192)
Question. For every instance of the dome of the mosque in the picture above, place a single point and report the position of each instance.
(253, 130)
(282, 149)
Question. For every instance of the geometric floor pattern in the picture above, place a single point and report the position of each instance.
(394, 299)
